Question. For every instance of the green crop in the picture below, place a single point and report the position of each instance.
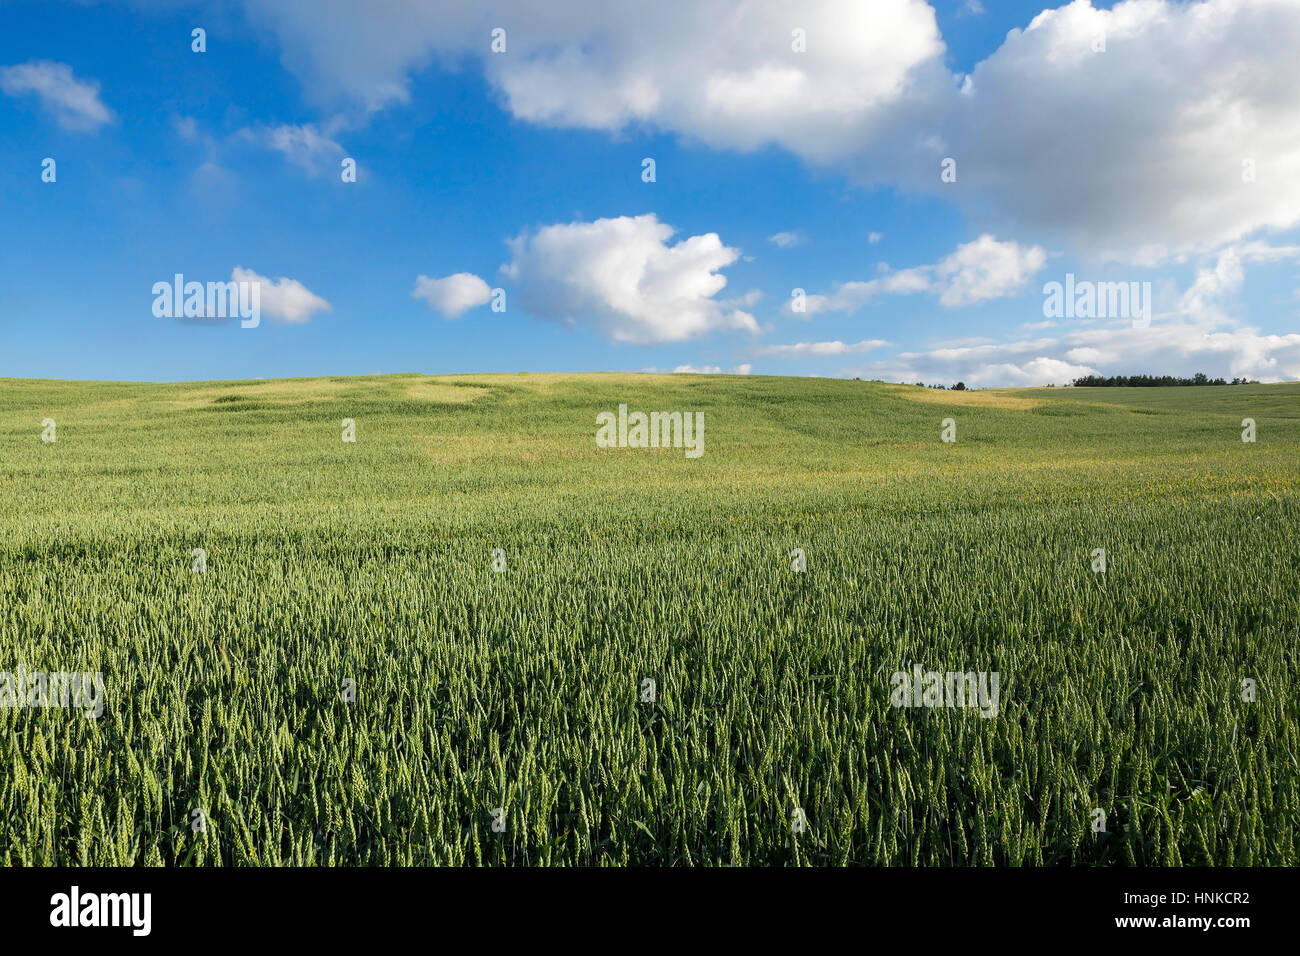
(349, 681)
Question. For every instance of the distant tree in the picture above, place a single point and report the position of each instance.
(1150, 381)
(959, 387)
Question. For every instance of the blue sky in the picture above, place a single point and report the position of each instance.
(1072, 155)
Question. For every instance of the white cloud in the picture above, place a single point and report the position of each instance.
(721, 71)
(453, 295)
(286, 300)
(1177, 349)
(786, 240)
(746, 301)
(621, 277)
(75, 103)
(744, 369)
(305, 146)
(1037, 371)
(1216, 286)
(1038, 326)
(986, 269)
(875, 237)
(976, 271)
(1135, 153)
(802, 349)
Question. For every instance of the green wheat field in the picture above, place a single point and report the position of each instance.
(350, 682)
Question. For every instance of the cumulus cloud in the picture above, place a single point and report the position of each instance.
(1138, 152)
(623, 278)
(453, 295)
(286, 300)
(1133, 153)
(75, 103)
(802, 349)
(728, 73)
(976, 271)
(986, 269)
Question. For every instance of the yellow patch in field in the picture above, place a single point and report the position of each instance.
(432, 390)
(992, 398)
(287, 391)
(544, 383)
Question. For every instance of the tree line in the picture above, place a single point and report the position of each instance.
(1139, 381)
